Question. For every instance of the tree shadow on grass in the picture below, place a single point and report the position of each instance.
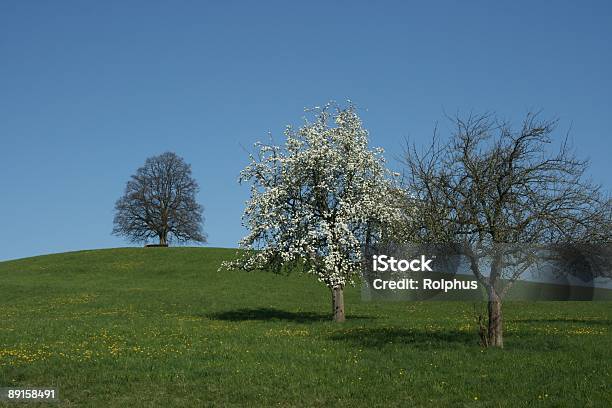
(271, 314)
(378, 337)
(596, 322)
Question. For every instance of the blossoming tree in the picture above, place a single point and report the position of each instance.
(316, 201)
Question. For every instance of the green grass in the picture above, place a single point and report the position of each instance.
(161, 327)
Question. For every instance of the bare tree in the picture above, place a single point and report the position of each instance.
(502, 197)
(160, 202)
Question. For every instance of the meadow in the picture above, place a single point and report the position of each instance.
(162, 327)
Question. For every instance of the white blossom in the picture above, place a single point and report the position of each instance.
(314, 199)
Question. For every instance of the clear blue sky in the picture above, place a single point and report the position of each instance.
(89, 89)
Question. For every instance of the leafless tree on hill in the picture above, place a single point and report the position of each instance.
(160, 202)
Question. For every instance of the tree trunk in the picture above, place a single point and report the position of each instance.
(495, 326)
(162, 240)
(338, 304)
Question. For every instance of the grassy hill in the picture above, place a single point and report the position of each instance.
(161, 327)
